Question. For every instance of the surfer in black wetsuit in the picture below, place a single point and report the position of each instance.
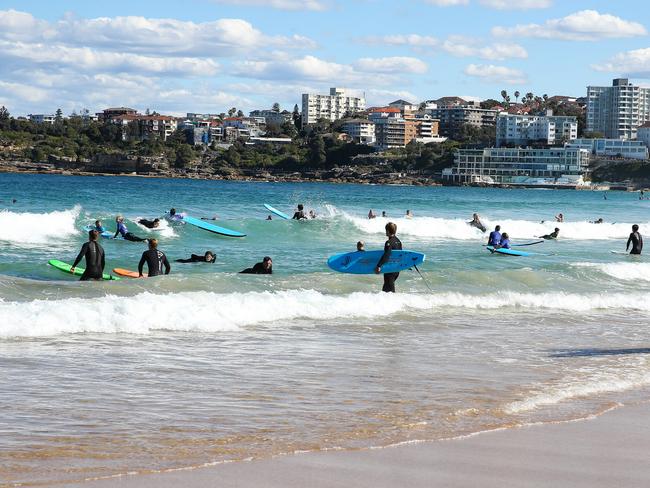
(476, 222)
(552, 235)
(265, 267)
(361, 246)
(636, 240)
(155, 260)
(150, 224)
(208, 257)
(94, 255)
(392, 244)
(300, 213)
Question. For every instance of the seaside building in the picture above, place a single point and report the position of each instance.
(144, 127)
(110, 113)
(334, 106)
(360, 131)
(271, 117)
(643, 134)
(617, 111)
(42, 118)
(521, 130)
(617, 148)
(453, 118)
(552, 167)
(246, 127)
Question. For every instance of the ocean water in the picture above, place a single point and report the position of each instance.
(207, 365)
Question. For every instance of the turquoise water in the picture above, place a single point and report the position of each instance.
(208, 365)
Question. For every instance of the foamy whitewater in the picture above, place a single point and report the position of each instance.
(208, 365)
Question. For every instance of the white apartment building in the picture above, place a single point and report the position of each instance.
(618, 110)
(361, 131)
(643, 134)
(617, 148)
(521, 130)
(42, 118)
(331, 107)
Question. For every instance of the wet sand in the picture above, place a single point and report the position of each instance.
(609, 450)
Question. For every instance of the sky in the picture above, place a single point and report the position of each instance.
(207, 56)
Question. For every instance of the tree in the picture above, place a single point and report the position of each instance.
(232, 112)
(58, 117)
(317, 154)
(276, 107)
(4, 113)
(184, 155)
(504, 95)
(240, 113)
(517, 96)
(297, 118)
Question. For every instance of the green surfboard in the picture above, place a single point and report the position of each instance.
(65, 267)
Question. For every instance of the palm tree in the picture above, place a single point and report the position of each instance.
(530, 96)
(504, 95)
(517, 96)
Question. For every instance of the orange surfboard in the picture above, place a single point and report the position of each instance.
(127, 273)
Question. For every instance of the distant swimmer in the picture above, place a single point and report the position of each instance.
(155, 260)
(312, 214)
(361, 246)
(372, 215)
(208, 257)
(265, 267)
(598, 221)
(552, 235)
(150, 224)
(99, 227)
(94, 255)
(409, 214)
(504, 243)
(270, 217)
(636, 240)
(392, 244)
(383, 214)
(476, 222)
(495, 237)
(124, 232)
(559, 218)
(300, 213)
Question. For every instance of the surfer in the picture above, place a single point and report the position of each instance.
(409, 215)
(495, 237)
(392, 244)
(155, 260)
(208, 257)
(173, 215)
(361, 246)
(300, 213)
(99, 227)
(150, 224)
(552, 235)
(265, 267)
(505, 242)
(270, 217)
(94, 255)
(476, 222)
(559, 218)
(383, 214)
(372, 215)
(312, 214)
(598, 221)
(636, 240)
(124, 232)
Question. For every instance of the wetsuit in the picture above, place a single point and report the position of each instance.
(637, 243)
(552, 235)
(195, 258)
(478, 224)
(121, 229)
(392, 244)
(155, 260)
(495, 238)
(258, 269)
(299, 215)
(94, 255)
(149, 224)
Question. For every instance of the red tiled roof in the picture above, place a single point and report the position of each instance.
(393, 110)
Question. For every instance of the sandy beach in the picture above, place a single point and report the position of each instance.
(609, 450)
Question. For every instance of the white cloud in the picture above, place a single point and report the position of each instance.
(447, 3)
(410, 40)
(376, 97)
(280, 4)
(516, 4)
(391, 65)
(496, 74)
(461, 46)
(586, 25)
(634, 63)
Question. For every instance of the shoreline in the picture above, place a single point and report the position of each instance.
(602, 450)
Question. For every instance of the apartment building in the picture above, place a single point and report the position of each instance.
(643, 134)
(144, 127)
(334, 106)
(617, 111)
(42, 118)
(271, 117)
(616, 148)
(453, 118)
(110, 113)
(360, 131)
(521, 130)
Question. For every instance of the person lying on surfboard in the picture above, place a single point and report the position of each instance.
(265, 267)
(208, 257)
(99, 227)
(124, 232)
(150, 224)
(552, 235)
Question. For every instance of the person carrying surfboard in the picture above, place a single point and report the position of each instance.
(392, 244)
(636, 240)
(155, 260)
(95, 260)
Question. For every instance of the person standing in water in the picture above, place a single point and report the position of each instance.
(124, 232)
(636, 240)
(392, 244)
(371, 215)
(300, 213)
(155, 260)
(409, 214)
(559, 218)
(95, 261)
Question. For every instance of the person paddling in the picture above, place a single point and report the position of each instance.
(124, 232)
(95, 260)
(552, 235)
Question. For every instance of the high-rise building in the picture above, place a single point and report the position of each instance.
(617, 111)
(334, 106)
(521, 130)
(453, 119)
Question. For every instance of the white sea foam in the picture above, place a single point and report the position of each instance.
(24, 228)
(622, 271)
(440, 228)
(212, 312)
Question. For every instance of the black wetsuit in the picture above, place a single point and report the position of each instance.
(637, 243)
(155, 260)
(552, 235)
(392, 244)
(149, 224)
(195, 258)
(258, 269)
(299, 215)
(95, 262)
(478, 224)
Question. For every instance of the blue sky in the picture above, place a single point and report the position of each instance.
(210, 55)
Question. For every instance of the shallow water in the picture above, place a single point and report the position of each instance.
(206, 365)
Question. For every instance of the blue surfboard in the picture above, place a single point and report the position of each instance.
(365, 262)
(212, 228)
(276, 212)
(509, 252)
(106, 234)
